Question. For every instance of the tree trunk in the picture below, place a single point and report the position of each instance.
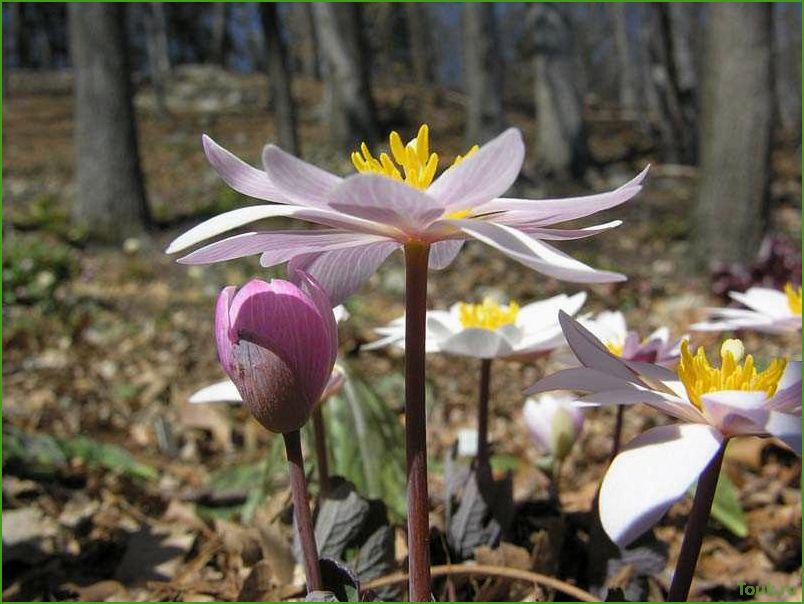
(626, 61)
(110, 198)
(787, 73)
(279, 79)
(420, 44)
(483, 73)
(218, 39)
(561, 137)
(346, 74)
(730, 216)
(308, 46)
(157, 48)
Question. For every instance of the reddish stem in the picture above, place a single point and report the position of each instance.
(696, 526)
(320, 436)
(483, 415)
(301, 510)
(416, 259)
(618, 432)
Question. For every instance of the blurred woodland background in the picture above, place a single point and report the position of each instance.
(115, 487)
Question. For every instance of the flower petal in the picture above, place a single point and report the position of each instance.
(380, 199)
(236, 218)
(298, 181)
(442, 253)
(282, 319)
(788, 391)
(223, 325)
(538, 212)
(764, 300)
(341, 272)
(578, 378)
(242, 177)
(533, 253)
(222, 392)
(787, 428)
(590, 351)
(570, 234)
(477, 343)
(652, 473)
(484, 175)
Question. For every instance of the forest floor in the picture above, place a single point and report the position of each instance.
(115, 488)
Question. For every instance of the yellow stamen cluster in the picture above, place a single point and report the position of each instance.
(615, 348)
(488, 315)
(793, 298)
(699, 377)
(412, 164)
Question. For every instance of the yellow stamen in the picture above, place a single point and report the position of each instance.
(699, 377)
(412, 164)
(615, 348)
(488, 315)
(793, 298)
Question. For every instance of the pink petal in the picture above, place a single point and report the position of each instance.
(223, 326)
(538, 212)
(533, 253)
(221, 392)
(237, 218)
(787, 428)
(590, 351)
(484, 175)
(342, 272)
(578, 378)
(652, 473)
(298, 181)
(788, 391)
(380, 199)
(442, 253)
(570, 234)
(239, 175)
(280, 318)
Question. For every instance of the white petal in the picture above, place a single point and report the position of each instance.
(442, 253)
(242, 177)
(764, 300)
(484, 175)
(578, 378)
(300, 182)
(787, 428)
(222, 392)
(477, 343)
(652, 473)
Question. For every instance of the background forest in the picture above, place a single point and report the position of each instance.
(115, 487)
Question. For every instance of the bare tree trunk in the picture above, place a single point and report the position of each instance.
(626, 60)
(737, 108)
(561, 137)
(787, 76)
(156, 42)
(350, 105)
(220, 14)
(420, 44)
(110, 198)
(279, 79)
(308, 47)
(483, 73)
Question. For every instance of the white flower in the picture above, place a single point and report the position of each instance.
(554, 422)
(768, 310)
(490, 330)
(717, 403)
(611, 328)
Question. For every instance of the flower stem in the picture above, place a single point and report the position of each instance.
(416, 259)
(618, 432)
(696, 525)
(301, 510)
(483, 415)
(320, 435)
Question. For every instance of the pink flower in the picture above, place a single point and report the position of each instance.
(611, 328)
(393, 201)
(277, 342)
(716, 403)
(767, 310)
(554, 422)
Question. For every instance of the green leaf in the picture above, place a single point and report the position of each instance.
(726, 508)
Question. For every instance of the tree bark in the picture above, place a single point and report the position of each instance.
(483, 73)
(279, 79)
(420, 44)
(156, 42)
(110, 199)
(346, 74)
(787, 73)
(308, 47)
(626, 62)
(561, 137)
(218, 38)
(737, 108)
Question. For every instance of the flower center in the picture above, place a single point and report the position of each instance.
(615, 348)
(793, 298)
(412, 164)
(699, 377)
(488, 315)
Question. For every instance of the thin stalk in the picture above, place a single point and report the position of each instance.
(416, 258)
(618, 432)
(696, 526)
(483, 415)
(320, 436)
(301, 510)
